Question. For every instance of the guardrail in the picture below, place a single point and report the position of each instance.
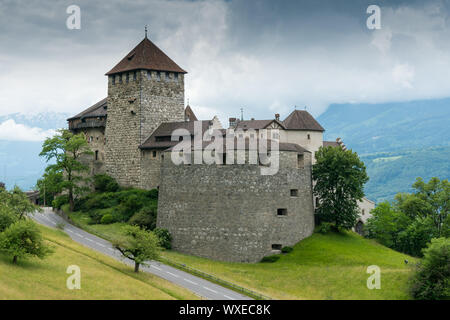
(207, 276)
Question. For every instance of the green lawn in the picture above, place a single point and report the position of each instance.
(102, 277)
(331, 266)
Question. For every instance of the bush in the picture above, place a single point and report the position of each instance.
(107, 219)
(325, 227)
(287, 249)
(432, 278)
(165, 239)
(7, 218)
(145, 218)
(60, 201)
(153, 194)
(272, 258)
(105, 183)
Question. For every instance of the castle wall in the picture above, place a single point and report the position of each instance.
(135, 109)
(151, 168)
(230, 212)
(96, 141)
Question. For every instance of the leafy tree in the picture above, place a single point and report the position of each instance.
(339, 184)
(21, 240)
(67, 149)
(50, 185)
(138, 245)
(386, 224)
(17, 202)
(7, 217)
(436, 194)
(164, 237)
(432, 278)
(105, 183)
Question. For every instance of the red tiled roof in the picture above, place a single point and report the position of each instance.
(146, 55)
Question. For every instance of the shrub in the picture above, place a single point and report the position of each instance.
(7, 218)
(60, 201)
(432, 278)
(272, 258)
(165, 239)
(325, 227)
(153, 194)
(105, 183)
(107, 219)
(145, 218)
(287, 249)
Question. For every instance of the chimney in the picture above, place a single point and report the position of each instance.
(232, 122)
(277, 116)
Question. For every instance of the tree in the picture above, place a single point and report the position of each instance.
(17, 202)
(66, 149)
(7, 217)
(432, 278)
(21, 240)
(436, 194)
(138, 245)
(50, 185)
(339, 177)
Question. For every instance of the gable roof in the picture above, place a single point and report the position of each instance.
(302, 120)
(146, 55)
(257, 124)
(189, 114)
(331, 144)
(166, 129)
(97, 110)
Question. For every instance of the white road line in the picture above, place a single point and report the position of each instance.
(155, 267)
(101, 245)
(90, 240)
(176, 276)
(210, 289)
(79, 235)
(69, 231)
(111, 249)
(228, 297)
(192, 282)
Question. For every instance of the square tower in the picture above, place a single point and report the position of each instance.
(145, 89)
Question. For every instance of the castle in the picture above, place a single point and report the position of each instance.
(222, 211)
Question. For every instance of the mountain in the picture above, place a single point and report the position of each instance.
(398, 142)
(20, 163)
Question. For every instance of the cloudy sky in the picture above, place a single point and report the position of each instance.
(265, 56)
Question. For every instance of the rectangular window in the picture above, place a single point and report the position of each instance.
(300, 161)
(154, 154)
(175, 76)
(167, 76)
(134, 75)
(149, 75)
(282, 212)
(158, 76)
(127, 77)
(120, 78)
(294, 192)
(113, 79)
(309, 136)
(277, 246)
(96, 154)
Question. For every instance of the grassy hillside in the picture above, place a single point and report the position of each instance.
(101, 277)
(331, 266)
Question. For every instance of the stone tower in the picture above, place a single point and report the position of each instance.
(145, 89)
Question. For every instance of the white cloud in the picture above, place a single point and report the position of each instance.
(403, 74)
(10, 130)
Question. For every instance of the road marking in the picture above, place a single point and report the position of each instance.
(210, 289)
(228, 297)
(69, 231)
(101, 245)
(90, 240)
(111, 249)
(187, 280)
(176, 276)
(155, 267)
(79, 235)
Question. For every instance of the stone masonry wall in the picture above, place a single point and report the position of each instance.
(229, 212)
(135, 109)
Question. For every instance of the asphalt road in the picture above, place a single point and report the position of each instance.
(199, 286)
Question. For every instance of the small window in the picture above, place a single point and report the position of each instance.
(277, 246)
(158, 76)
(162, 156)
(154, 154)
(134, 75)
(175, 77)
(91, 138)
(113, 79)
(300, 161)
(309, 136)
(363, 212)
(275, 135)
(282, 212)
(294, 192)
(127, 77)
(149, 75)
(120, 78)
(167, 76)
(96, 154)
